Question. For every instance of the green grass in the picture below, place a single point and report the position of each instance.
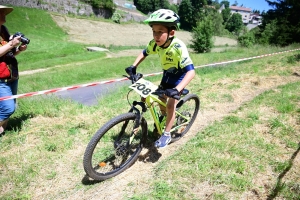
(255, 143)
(230, 153)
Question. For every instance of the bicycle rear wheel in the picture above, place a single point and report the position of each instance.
(110, 150)
(187, 108)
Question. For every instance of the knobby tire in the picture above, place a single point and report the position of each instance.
(108, 152)
(188, 106)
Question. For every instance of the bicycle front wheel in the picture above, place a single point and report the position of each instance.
(186, 113)
(114, 147)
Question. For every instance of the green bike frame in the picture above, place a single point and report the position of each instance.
(149, 100)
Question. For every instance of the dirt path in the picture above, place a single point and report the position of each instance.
(136, 179)
(142, 171)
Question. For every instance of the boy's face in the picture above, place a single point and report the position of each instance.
(160, 34)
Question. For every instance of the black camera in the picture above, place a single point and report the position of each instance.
(24, 40)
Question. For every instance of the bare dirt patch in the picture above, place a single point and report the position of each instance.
(104, 33)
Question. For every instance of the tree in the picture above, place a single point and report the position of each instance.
(202, 36)
(264, 37)
(256, 11)
(247, 39)
(146, 6)
(226, 3)
(185, 11)
(235, 23)
(198, 9)
(226, 14)
(217, 23)
(198, 4)
(107, 4)
(174, 8)
(286, 15)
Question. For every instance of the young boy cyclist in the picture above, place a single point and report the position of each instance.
(178, 68)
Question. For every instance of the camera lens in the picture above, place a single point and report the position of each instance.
(25, 40)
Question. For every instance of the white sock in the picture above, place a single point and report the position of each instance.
(167, 133)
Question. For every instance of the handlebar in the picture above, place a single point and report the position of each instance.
(160, 92)
(135, 77)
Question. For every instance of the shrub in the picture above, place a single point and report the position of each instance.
(116, 17)
(202, 36)
(246, 40)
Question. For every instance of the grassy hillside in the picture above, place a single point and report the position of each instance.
(243, 145)
(49, 45)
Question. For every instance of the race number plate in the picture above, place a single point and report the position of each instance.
(143, 87)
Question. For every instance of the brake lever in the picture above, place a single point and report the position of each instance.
(137, 76)
(130, 78)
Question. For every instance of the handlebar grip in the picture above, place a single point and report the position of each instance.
(159, 92)
(134, 77)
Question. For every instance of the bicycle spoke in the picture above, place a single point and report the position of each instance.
(118, 145)
(185, 116)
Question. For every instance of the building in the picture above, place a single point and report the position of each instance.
(221, 8)
(255, 18)
(245, 12)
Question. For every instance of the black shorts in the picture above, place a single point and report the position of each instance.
(165, 86)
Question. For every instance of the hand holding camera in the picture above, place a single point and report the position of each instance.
(14, 42)
(23, 39)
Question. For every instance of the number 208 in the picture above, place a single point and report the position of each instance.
(143, 88)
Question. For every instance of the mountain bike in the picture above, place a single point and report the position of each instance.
(118, 143)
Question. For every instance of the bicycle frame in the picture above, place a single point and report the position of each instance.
(148, 99)
(159, 125)
(118, 143)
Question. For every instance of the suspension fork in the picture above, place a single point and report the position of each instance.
(138, 119)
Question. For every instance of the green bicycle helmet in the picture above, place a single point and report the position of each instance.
(165, 17)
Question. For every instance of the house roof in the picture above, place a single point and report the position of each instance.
(240, 8)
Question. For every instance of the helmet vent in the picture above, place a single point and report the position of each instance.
(164, 16)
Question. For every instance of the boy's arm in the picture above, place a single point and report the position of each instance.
(131, 71)
(139, 59)
(186, 80)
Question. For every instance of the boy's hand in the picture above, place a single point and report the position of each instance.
(172, 92)
(131, 70)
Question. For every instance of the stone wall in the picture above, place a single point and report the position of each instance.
(60, 6)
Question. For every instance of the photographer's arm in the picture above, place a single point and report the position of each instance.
(9, 46)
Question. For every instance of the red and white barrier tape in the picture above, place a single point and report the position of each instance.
(124, 79)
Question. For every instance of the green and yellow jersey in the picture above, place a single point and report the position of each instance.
(174, 59)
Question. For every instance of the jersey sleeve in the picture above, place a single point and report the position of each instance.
(151, 48)
(184, 58)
